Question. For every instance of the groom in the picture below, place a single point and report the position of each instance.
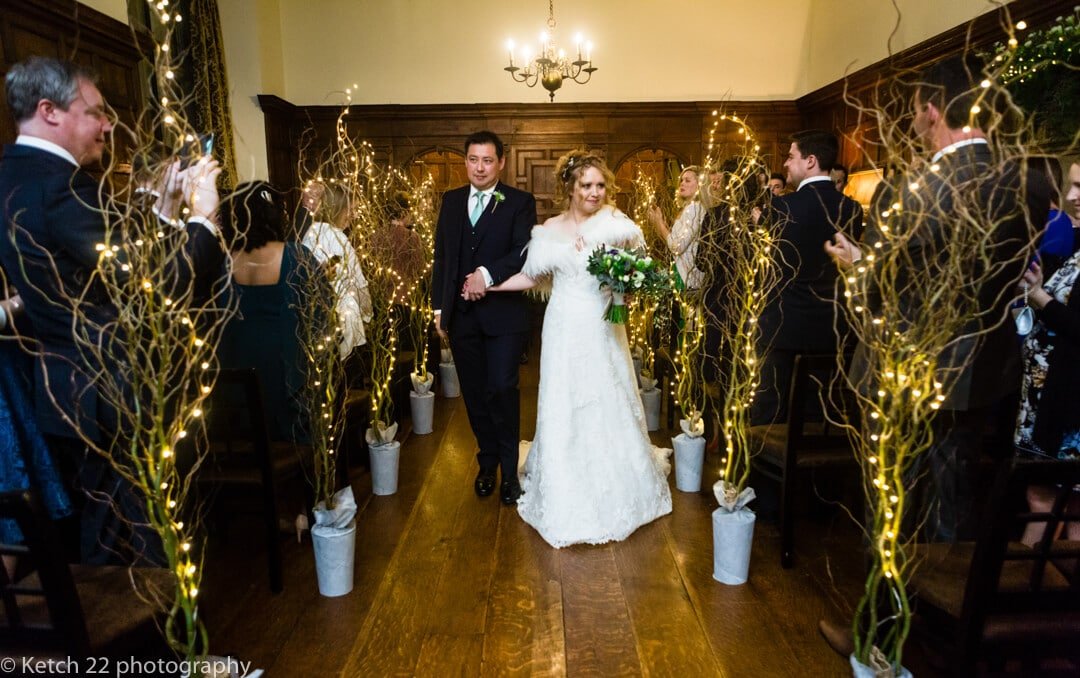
(479, 241)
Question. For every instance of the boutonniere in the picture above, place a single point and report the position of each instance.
(498, 197)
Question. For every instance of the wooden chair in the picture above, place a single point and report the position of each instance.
(996, 599)
(242, 456)
(82, 611)
(782, 450)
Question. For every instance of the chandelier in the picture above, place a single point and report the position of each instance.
(551, 66)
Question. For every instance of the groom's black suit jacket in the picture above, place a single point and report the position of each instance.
(497, 242)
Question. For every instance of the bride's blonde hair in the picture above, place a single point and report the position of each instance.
(569, 169)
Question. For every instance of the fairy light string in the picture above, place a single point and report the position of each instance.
(907, 301)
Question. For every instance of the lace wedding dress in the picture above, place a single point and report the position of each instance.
(590, 475)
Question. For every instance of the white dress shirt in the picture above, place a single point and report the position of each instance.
(951, 148)
(45, 145)
(810, 180)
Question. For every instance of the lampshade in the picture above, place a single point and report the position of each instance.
(861, 185)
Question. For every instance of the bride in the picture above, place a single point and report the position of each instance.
(591, 475)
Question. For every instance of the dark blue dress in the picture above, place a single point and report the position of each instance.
(25, 461)
(262, 335)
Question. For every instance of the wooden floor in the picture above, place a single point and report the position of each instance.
(450, 584)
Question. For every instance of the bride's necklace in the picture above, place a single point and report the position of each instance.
(579, 240)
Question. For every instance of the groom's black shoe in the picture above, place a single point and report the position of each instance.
(509, 492)
(485, 483)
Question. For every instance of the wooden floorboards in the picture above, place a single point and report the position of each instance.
(448, 584)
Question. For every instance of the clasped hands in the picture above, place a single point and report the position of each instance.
(475, 286)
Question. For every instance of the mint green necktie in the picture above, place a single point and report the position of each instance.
(474, 216)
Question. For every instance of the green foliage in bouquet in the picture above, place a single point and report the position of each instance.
(623, 272)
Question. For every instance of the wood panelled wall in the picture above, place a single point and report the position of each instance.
(535, 134)
(67, 30)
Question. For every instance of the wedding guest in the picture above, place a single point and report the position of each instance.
(1058, 240)
(53, 222)
(982, 365)
(839, 176)
(777, 184)
(762, 181)
(804, 316)
(396, 244)
(1048, 423)
(682, 237)
(269, 277)
(328, 239)
(25, 460)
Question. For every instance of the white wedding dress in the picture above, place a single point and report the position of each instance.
(590, 475)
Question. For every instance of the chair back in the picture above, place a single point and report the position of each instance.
(236, 417)
(819, 402)
(64, 625)
(1051, 569)
(241, 454)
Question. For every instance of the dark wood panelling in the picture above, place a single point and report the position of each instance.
(535, 134)
(69, 30)
(826, 107)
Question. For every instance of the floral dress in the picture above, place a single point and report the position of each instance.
(1036, 349)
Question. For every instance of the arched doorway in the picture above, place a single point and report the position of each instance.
(656, 168)
(446, 167)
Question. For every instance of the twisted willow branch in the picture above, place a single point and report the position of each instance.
(742, 264)
(151, 364)
(944, 248)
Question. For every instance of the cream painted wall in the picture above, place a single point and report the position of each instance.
(441, 51)
(846, 35)
(117, 9)
(253, 61)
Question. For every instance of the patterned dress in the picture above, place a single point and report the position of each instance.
(1036, 352)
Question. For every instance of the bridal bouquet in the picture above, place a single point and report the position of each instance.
(625, 271)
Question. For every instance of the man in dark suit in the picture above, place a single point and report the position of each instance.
(54, 227)
(479, 242)
(802, 316)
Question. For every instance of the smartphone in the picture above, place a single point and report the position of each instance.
(193, 150)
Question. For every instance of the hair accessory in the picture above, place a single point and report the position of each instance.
(265, 195)
(566, 173)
